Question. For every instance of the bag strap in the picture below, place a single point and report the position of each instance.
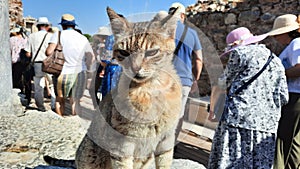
(181, 40)
(39, 49)
(59, 33)
(254, 77)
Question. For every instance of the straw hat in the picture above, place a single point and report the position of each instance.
(43, 21)
(241, 37)
(283, 24)
(68, 19)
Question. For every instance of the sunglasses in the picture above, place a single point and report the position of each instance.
(172, 10)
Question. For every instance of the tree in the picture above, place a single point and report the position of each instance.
(88, 36)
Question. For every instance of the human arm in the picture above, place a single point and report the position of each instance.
(196, 69)
(293, 72)
(50, 49)
(197, 64)
(216, 94)
(52, 44)
(28, 47)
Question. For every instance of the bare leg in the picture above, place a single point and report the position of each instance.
(75, 103)
(60, 105)
(47, 85)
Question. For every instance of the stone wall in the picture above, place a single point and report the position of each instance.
(15, 12)
(217, 18)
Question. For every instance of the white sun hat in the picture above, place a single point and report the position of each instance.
(104, 30)
(43, 21)
(176, 5)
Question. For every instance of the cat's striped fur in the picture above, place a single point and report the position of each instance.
(137, 122)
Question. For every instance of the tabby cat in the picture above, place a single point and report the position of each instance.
(137, 122)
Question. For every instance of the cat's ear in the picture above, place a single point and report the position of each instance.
(167, 22)
(119, 24)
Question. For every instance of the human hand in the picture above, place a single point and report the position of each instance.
(194, 87)
(212, 117)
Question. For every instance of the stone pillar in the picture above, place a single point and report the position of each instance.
(5, 61)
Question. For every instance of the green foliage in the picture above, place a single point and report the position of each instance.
(88, 36)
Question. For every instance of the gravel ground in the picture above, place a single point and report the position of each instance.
(25, 139)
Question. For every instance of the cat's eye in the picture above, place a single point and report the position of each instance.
(152, 52)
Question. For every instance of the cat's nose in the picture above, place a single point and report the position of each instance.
(135, 68)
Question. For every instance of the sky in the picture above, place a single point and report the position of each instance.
(91, 14)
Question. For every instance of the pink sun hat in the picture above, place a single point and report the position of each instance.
(241, 37)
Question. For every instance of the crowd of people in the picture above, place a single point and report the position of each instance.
(259, 124)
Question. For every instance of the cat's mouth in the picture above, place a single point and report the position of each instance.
(140, 77)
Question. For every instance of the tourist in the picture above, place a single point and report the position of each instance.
(187, 59)
(112, 69)
(79, 60)
(246, 134)
(35, 48)
(286, 32)
(17, 44)
(100, 52)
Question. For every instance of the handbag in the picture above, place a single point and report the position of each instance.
(25, 61)
(221, 104)
(53, 64)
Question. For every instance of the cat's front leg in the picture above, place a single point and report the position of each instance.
(121, 162)
(164, 160)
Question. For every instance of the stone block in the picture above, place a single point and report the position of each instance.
(249, 16)
(268, 1)
(230, 19)
(265, 8)
(216, 18)
(267, 18)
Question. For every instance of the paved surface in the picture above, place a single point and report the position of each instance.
(195, 139)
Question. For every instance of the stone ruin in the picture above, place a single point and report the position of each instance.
(15, 13)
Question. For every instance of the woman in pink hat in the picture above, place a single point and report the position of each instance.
(256, 85)
(286, 32)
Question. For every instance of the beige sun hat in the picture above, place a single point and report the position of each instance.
(283, 24)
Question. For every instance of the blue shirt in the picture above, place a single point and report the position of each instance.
(183, 61)
(290, 56)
